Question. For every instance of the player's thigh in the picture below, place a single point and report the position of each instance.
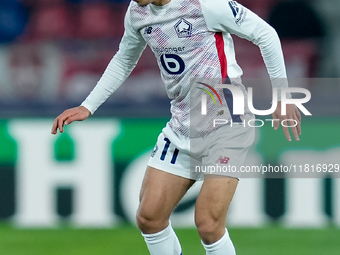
(160, 193)
(213, 201)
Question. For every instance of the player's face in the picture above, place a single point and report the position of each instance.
(155, 2)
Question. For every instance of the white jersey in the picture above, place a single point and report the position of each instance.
(191, 41)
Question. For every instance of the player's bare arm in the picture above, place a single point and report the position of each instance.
(68, 116)
(292, 113)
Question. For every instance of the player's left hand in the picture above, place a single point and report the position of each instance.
(292, 113)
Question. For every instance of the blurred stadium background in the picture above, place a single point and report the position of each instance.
(76, 193)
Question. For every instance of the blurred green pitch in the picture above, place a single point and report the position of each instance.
(126, 240)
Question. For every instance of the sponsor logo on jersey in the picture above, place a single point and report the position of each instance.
(169, 50)
(172, 63)
(222, 160)
(148, 30)
(239, 12)
(183, 28)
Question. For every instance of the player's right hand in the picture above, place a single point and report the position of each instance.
(68, 116)
(292, 114)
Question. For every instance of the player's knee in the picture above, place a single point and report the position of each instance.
(206, 227)
(209, 229)
(150, 223)
(144, 221)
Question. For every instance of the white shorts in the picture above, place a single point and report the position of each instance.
(221, 152)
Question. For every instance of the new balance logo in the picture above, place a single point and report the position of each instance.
(148, 30)
(222, 160)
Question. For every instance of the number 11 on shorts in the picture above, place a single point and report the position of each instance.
(165, 150)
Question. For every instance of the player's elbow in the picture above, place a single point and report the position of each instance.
(265, 34)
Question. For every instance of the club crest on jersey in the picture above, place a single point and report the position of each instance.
(239, 12)
(183, 28)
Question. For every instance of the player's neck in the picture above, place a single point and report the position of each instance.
(160, 2)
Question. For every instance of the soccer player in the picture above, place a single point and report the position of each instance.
(191, 40)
